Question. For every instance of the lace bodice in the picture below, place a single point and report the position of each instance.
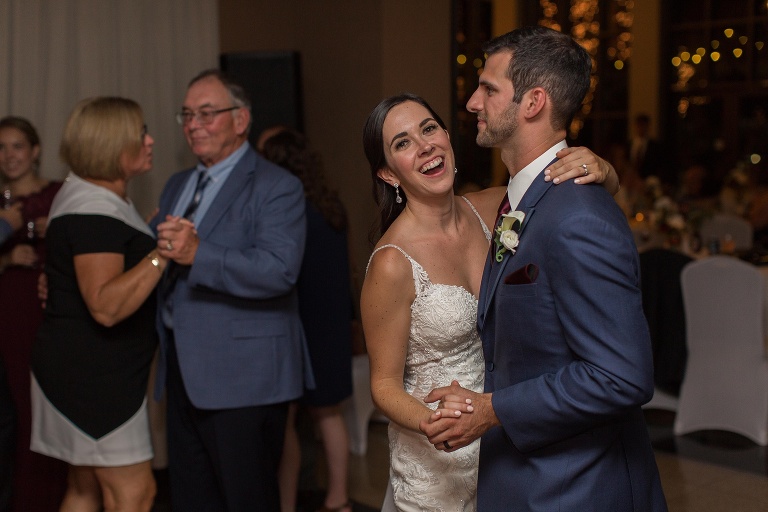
(443, 345)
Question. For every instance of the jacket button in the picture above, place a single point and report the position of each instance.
(491, 366)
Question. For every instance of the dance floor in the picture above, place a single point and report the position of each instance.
(702, 472)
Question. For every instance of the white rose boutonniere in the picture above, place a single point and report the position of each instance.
(507, 238)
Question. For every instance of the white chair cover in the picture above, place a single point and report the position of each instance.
(662, 400)
(726, 380)
(359, 408)
(722, 224)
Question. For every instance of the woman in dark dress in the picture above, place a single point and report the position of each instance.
(325, 305)
(38, 481)
(92, 354)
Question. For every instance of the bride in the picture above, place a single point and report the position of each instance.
(419, 298)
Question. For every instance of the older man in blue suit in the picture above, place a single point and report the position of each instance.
(566, 345)
(233, 348)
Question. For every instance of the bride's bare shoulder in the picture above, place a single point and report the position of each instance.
(388, 257)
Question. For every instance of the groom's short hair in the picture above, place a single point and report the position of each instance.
(542, 57)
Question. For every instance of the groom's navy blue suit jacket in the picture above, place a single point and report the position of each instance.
(568, 359)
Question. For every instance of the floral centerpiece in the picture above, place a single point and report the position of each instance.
(662, 213)
(668, 220)
(676, 225)
(736, 192)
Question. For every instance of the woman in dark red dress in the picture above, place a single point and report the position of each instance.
(38, 481)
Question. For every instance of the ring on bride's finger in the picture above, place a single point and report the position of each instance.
(169, 246)
(584, 166)
(447, 446)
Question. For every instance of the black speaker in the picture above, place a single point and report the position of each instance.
(273, 82)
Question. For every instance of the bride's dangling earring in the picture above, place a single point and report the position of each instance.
(398, 199)
(455, 170)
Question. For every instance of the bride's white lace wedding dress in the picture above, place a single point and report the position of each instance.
(444, 345)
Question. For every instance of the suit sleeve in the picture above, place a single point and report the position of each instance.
(268, 264)
(5, 230)
(607, 368)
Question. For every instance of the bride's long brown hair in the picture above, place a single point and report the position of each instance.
(373, 144)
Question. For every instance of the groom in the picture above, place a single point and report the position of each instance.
(567, 350)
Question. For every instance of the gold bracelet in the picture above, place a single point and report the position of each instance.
(155, 261)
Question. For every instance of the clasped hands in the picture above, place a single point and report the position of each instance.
(461, 417)
(177, 240)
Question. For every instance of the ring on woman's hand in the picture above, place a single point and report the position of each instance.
(584, 166)
(447, 446)
(169, 246)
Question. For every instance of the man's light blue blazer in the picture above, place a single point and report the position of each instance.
(237, 331)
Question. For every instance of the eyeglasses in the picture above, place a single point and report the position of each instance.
(144, 133)
(204, 116)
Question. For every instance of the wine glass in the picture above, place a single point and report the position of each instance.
(31, 231)
(6, 199)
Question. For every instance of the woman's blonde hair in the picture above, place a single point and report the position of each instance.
(99, 131)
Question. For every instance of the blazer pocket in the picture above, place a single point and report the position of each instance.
(523, 275)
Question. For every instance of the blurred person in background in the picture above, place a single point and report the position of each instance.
(649, 156)
(325, 307)
(92, 356)
(38, 481)
(7, 439)
(233, 350)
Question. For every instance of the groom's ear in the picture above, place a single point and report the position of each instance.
(534, 102)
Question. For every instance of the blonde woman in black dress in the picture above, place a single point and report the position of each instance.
(92, 355)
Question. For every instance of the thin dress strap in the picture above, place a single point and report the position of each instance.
(420, 277)
(482, 223)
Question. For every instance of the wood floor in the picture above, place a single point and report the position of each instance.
(698, 474)
(706, 472)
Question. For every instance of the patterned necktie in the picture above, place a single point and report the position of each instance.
(174, 270)
(504, 208)
(202, 181)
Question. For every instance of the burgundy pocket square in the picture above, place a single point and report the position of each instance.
(524, 275)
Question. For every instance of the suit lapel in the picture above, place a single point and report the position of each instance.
(228, 192)
(176, 191)
(493, 272)
(482, 303)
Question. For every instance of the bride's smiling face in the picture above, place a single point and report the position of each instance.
(418, 151)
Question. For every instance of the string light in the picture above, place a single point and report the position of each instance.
(686, 62)
(585, 30)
